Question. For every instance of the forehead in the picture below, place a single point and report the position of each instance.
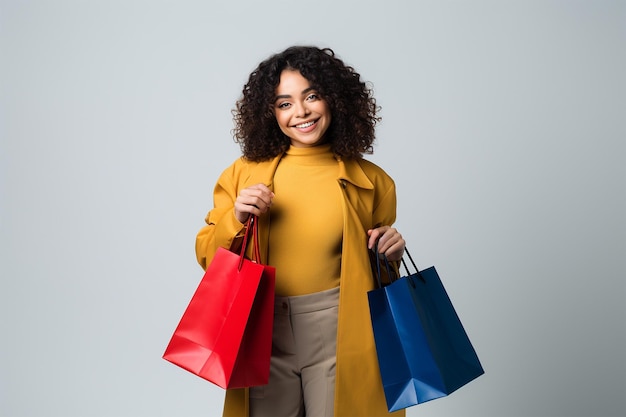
(292, 82)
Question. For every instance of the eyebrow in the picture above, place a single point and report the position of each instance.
(306, 90)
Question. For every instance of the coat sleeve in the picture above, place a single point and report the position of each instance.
(385, 215)
(222, 227)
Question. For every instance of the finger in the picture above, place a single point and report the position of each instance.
(388, 239)
(256, 196)
(396, 252)
(260, 189)
(374, 235)
(252, 201)
(396, 248)
(263, 192)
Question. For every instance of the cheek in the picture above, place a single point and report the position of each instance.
(281, 119)
(324, 109)
(327, 114)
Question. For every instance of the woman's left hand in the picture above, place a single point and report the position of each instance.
(390, 242)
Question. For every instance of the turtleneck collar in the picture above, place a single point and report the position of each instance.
(320, 150)
(349, 170)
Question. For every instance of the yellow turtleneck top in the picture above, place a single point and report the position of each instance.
(306, 222)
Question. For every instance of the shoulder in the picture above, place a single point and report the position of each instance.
(374, 172)
(235, 169)
(365, 175)
(243, 170)
(243, 165)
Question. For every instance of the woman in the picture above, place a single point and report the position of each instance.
(304, 122)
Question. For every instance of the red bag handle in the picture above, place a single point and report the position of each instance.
(251, 223)
(255, 236)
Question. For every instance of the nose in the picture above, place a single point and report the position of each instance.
(302, 110)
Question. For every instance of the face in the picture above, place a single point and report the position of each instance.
(300, 112)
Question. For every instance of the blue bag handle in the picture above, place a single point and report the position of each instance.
(417, 271)
(375, 259)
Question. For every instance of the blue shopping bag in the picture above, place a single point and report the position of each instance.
(423, 350)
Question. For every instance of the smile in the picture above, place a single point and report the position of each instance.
(305, 125)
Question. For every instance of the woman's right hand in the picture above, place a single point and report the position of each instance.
(255, 199)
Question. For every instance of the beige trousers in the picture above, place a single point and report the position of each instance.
(302, 373)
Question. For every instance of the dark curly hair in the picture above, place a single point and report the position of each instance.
(350, 100)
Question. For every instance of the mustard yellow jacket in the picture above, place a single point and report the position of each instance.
(369, 201)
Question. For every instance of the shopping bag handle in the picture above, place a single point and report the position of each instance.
(417, 271)
(376, 260)
(408, 272)
(251, 224)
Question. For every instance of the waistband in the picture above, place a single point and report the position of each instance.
(307, 303)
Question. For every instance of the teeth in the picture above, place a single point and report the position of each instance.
(305, 125)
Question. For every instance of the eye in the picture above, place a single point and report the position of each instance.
(283, 105)
(312, 97)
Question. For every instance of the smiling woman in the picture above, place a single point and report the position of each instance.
(350, 102)
(303, 123)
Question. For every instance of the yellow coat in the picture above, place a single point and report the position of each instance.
(369, 201)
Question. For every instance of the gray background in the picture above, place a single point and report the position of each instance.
(503, 126)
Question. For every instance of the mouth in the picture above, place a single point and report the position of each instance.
(305, 124)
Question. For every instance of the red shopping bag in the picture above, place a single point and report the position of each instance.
(225, 334)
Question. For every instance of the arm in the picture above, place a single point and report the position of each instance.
(390, 241)
(232, 207)
(222, 226)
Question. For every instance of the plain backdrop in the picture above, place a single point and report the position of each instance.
(503, 125)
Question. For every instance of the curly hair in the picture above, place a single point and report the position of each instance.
(350, 100)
